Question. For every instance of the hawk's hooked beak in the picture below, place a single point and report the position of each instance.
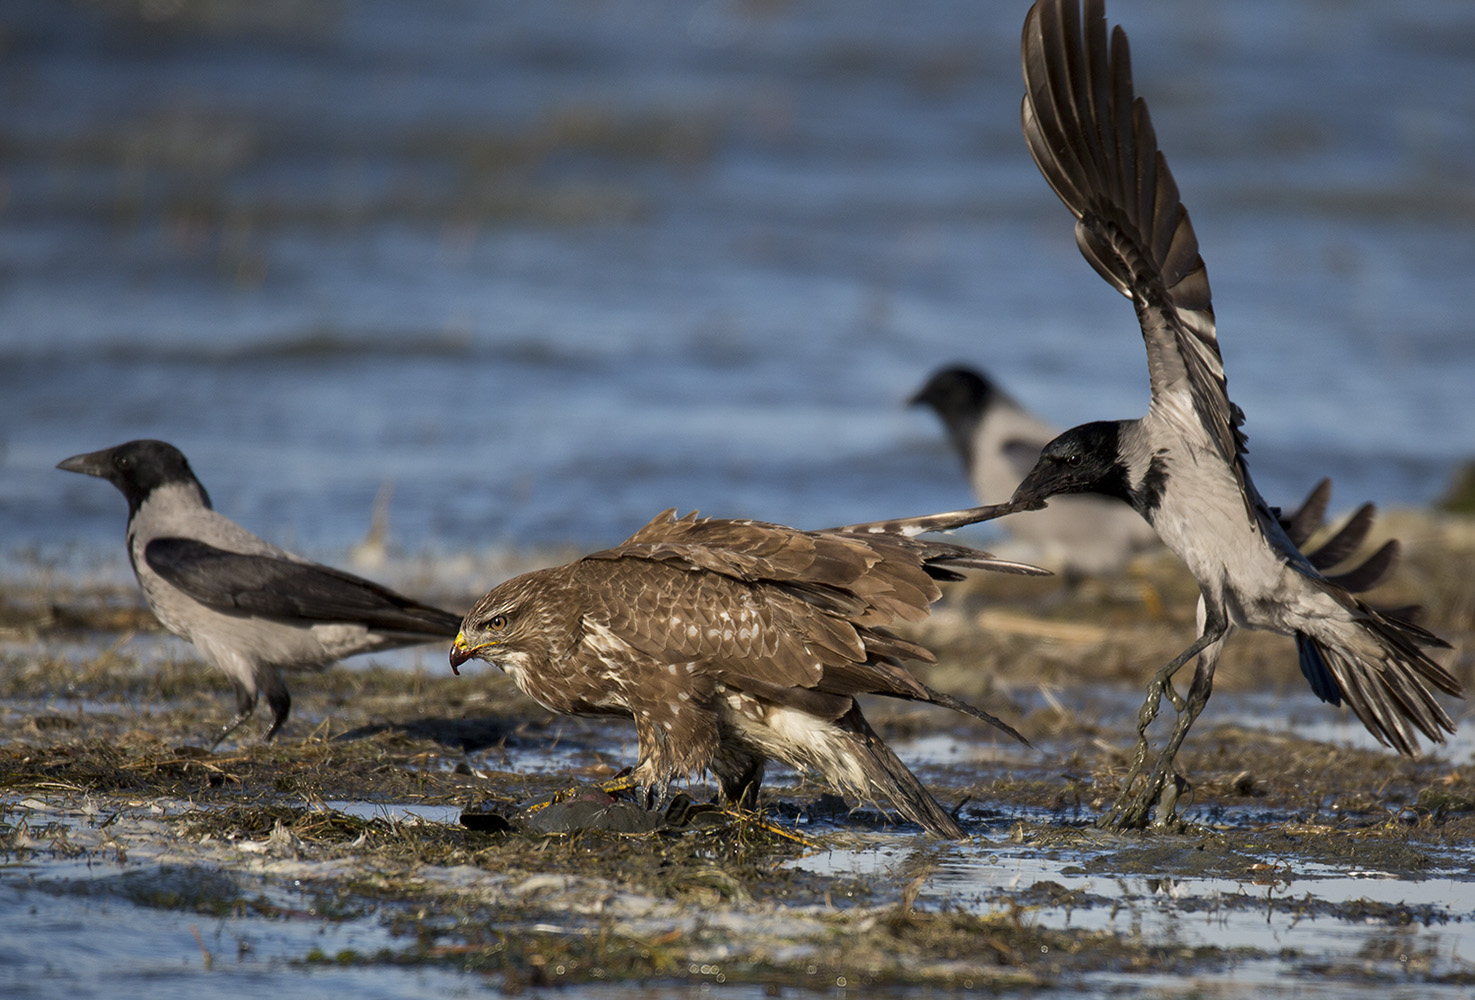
(461, 651)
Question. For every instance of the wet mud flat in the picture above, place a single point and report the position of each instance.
(1313, 863)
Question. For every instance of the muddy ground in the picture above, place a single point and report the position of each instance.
(1310, 857)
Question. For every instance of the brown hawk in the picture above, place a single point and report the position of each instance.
(730, 642)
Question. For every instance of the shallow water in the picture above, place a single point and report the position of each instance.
(1193, 912)
(99, 942)
(548, 269)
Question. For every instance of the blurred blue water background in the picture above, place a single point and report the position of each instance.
(549, 268)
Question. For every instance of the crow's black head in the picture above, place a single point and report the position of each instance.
(1085, 459)
(958, 394)
(136, 468)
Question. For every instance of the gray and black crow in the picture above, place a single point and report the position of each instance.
(1001, 441)
(251, 609)
(1182, 466)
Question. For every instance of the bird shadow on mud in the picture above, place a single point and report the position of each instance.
(467, 735)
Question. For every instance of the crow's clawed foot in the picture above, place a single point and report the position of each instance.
(230, 727)
(1152, 801)
(1135, 802)
(1160, 791)
(1134, 808)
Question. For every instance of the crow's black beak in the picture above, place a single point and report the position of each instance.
(94, 463)
(1032, 493)
(1012, 506)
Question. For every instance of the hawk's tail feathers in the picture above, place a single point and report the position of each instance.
(887, 777)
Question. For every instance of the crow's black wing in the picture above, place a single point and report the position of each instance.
(283, 589)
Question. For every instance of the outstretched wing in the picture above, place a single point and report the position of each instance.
(287, 590)
(1094, 142)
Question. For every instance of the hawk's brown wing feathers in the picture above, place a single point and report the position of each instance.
(772, 609)
(835, 567)
(730, 643)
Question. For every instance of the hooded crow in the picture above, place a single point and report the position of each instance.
(251, 609)
(1182, 466)
(733, 642)
(999, 441)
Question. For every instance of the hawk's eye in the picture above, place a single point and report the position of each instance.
(497, 623)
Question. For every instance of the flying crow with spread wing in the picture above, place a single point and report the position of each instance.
(1183, 465)
(253, 610)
